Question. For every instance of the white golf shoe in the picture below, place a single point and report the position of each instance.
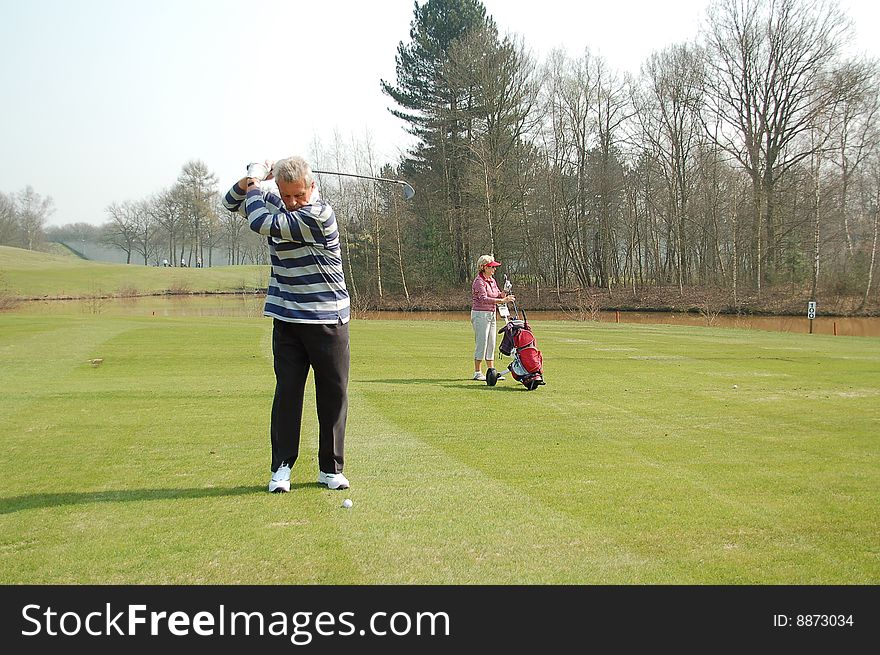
(333, 480)
(280, 482)
(479, 376)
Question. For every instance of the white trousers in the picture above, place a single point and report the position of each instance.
(484, 334)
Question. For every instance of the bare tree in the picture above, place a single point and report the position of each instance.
(856, 133)
(197, 186)
(614, 109)
(146, 230)
(668, 113)
(233, 227)
(122, 230)
(557, 153)
(875, 210)
(10, 232)
(212, 229)
(769, 63)
(397, 212)
(371, 196)
(169, 212)
(571, 100)
(340, 196)
(500, 78)
(843, 134)
(33, 210)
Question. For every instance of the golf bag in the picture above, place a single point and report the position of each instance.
(528, 364)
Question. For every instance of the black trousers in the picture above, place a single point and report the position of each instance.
(323, 348)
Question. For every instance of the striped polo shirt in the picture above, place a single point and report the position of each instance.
(306, 284)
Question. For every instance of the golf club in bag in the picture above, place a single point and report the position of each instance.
(519, 342)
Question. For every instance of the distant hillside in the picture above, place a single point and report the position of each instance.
(100, 252)
(62, 249)
(32, 274)
(17, 258)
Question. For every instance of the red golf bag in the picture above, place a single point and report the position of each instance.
(528, 364)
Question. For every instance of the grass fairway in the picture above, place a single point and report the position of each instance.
(639, 463)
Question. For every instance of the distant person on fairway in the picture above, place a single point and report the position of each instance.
(486, 297)
(309, 304)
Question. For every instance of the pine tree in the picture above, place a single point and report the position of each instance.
(435, 106)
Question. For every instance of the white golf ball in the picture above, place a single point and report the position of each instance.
(347, 503)
(735, 387)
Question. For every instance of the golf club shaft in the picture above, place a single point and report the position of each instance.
(408, 191)
(363, 177)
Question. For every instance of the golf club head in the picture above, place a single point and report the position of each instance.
(408, 191)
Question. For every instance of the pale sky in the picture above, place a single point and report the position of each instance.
(105, 100)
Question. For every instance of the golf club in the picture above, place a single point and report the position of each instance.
(408, 191)
(502, 308)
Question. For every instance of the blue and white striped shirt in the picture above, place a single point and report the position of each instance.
(306, 284)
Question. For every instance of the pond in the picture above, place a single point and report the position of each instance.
(251, 305)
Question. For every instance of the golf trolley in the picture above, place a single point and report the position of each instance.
(518, 342)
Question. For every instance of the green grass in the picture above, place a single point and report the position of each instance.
(31, 274)
(638, 463)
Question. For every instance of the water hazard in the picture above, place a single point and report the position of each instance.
(250, 305)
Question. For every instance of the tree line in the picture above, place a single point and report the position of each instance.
(23, 217)
(182, 224)
(746, 158)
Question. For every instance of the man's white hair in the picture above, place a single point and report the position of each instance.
(293, 169)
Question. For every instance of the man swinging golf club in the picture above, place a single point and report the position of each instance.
(309, 304)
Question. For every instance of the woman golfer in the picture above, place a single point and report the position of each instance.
(486, 297)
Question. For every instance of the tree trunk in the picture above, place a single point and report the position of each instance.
(486, 189)
(873, 252)
(759, 227)
(734, 264)
(378, 238)
(679, 247)
(400, 255)
(816, 231)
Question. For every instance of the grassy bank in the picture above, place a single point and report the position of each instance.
(654, 455)
(29, 274)
(39, 275)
